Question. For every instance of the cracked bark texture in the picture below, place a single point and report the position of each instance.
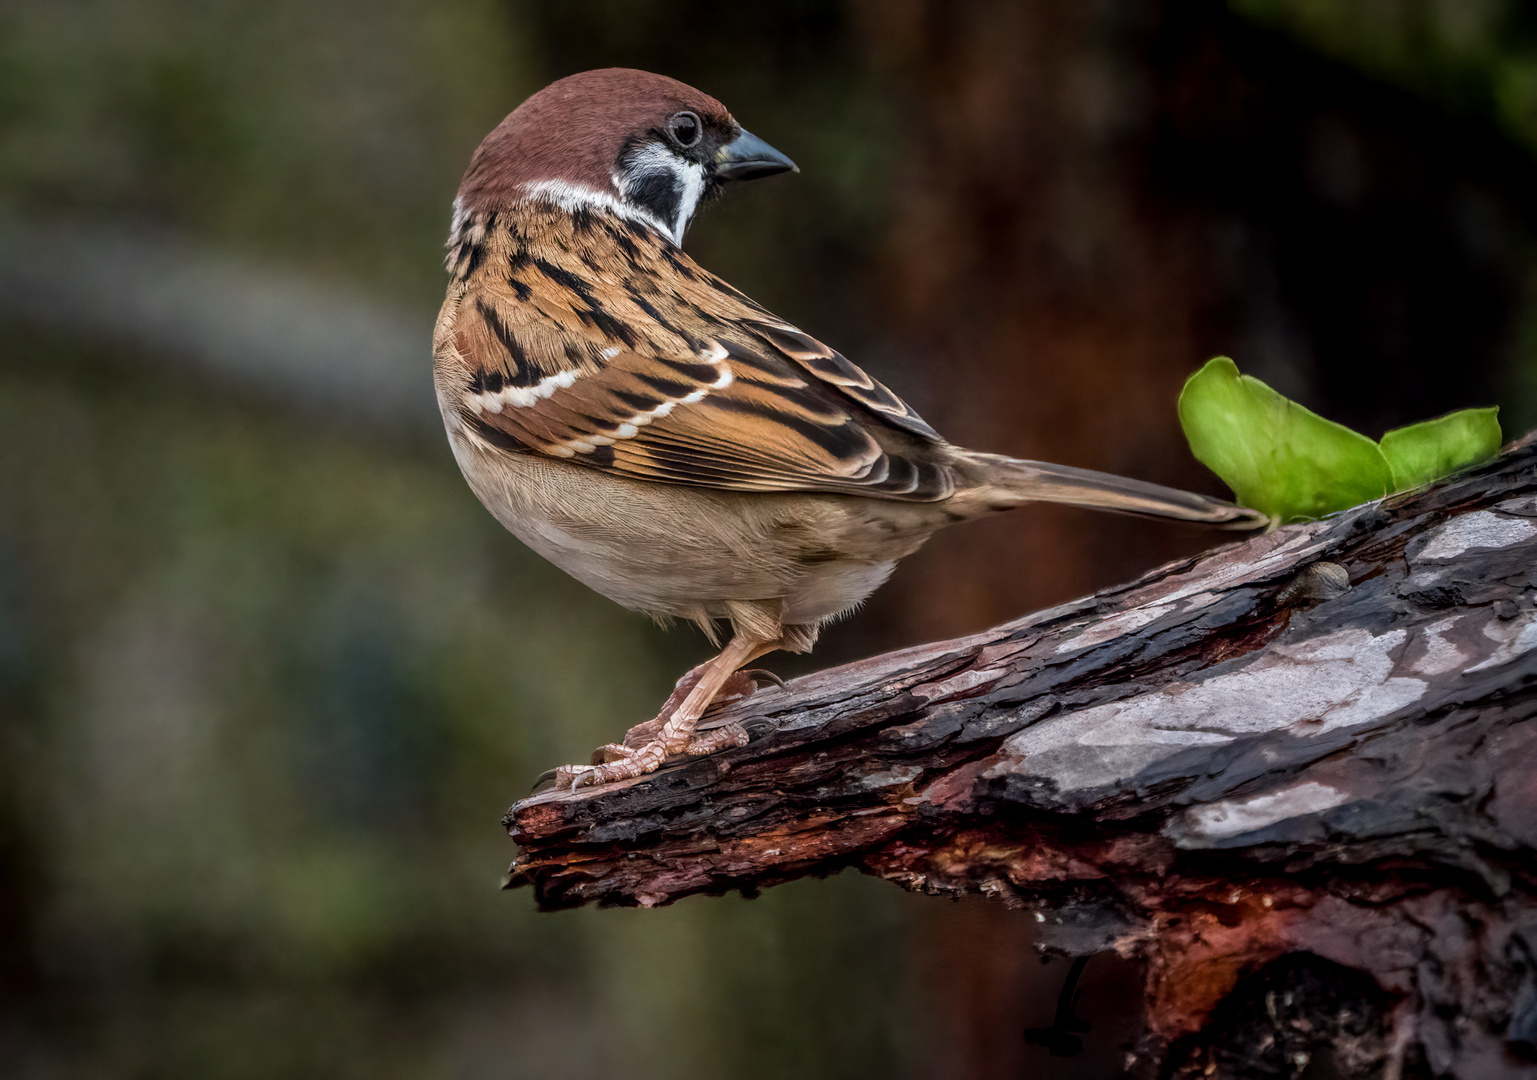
(1295, 777)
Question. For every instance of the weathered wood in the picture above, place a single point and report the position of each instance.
(1315, 743)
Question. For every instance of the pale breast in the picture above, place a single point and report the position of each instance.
(683, 552)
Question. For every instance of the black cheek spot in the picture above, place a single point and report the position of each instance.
(658, 193)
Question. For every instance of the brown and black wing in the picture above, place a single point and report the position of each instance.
(673, 377)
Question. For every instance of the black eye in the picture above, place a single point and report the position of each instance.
(685, 129)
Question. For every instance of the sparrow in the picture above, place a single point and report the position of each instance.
(661, 437)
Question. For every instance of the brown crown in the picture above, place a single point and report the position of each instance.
(574, 129)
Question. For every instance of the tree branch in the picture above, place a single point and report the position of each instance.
(1315, 742)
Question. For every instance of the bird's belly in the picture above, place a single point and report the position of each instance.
(684, 552)
(829, 589)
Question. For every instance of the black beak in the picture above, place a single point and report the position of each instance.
(748, 157)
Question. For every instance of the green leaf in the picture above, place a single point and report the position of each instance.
(1278, 457)
(1427, 451)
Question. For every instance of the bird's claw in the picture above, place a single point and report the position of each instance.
(546, 779)
(573, 777)
(611, 752)
(590, 776)
(761, 676)
(616, 762)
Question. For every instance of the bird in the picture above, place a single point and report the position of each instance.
(664, 439)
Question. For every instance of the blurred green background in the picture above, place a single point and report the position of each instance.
(269, 675)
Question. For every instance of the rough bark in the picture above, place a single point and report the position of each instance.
(1299, 769)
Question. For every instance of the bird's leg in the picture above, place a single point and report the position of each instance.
(738, 685)
(698, 689)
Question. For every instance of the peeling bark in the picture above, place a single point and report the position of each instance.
(1275, 765)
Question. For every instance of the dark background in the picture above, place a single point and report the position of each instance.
(269, 675)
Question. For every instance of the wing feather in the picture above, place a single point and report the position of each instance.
(664, 373)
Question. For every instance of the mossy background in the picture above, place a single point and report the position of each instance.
(269, 675)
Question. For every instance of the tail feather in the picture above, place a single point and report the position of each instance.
(1005, 482)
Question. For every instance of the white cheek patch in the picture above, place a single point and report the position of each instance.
(687, 182)
(646, 160)
(692, 176)
(570, 197)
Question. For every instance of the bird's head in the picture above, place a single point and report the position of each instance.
(641, 145)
